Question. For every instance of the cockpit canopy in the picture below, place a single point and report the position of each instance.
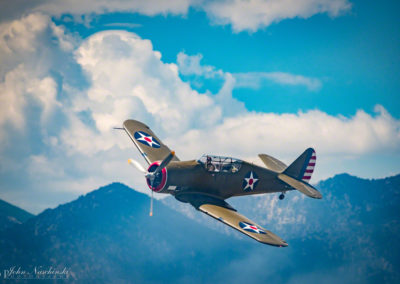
(220, 164)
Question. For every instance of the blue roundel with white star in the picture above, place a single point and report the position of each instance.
(251, 228)
(250, 181)
(147, 139)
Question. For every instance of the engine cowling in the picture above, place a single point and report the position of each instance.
(160, 180)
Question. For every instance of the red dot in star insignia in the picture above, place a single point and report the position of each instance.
(147, 139)
(250, 182)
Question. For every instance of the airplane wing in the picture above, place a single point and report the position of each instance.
(242, 224)
(148, 144)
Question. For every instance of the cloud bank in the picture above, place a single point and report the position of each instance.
(242, 15)
(256, 14)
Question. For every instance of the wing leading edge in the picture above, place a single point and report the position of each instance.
(242, 224)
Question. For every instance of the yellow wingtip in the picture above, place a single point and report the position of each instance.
(173, 153)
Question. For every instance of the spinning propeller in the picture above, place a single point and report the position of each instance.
(151, 176)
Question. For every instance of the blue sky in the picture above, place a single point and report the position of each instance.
(355, 55)
(226, 77)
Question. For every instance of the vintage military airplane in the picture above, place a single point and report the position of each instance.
(206, 183)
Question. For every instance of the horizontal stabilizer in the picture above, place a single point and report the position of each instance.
(272, 163)
(301, 186)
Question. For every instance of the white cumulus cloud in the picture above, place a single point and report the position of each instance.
(252, 15)
(289, 134)
(255, 80)
(20, 90)
(191, 65)
(242, 15)
(128, 78)
(15, 9)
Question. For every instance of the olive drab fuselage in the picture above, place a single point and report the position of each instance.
(192, 176)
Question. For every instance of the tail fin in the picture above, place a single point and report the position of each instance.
(298, 174)
(303, 167)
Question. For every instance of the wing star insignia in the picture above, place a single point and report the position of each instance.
(146, 139)
(251, 228)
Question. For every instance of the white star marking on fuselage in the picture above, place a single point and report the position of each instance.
(250, 181)
(149, 140)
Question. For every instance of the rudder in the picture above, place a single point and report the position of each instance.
(303, 167)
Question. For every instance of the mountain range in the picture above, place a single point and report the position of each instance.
(11, 215)
(107, 236)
